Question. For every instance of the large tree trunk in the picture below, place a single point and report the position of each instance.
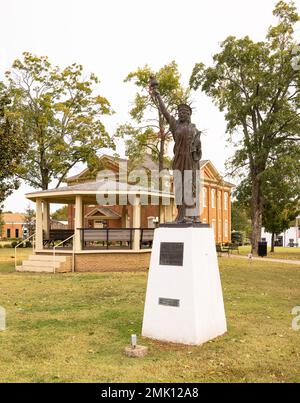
(273, 242)
(256, 213)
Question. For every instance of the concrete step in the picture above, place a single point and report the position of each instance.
(47, 258)
(35, 269)
(41, 263)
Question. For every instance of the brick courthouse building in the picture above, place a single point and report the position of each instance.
(215, 202)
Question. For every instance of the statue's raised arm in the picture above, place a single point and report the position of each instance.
(153, 89)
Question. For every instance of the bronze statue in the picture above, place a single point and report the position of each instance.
(187, 154)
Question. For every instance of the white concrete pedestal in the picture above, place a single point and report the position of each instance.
(194, 289)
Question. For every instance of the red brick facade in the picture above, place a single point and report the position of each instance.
(13, 225)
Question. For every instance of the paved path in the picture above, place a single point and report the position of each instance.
(261, 259)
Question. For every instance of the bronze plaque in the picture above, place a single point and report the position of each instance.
(169, 302)
(171, 254)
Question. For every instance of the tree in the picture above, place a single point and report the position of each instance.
(61, 118)
(240, 218)
(29, 220)
(277, 220)
(281, 193)
(11, 144)
(257, 85)
(150, 132)
(61, 214)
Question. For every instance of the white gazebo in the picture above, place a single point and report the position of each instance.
(127, 254)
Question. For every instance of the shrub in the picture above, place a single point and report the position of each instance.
(14, 244)
(7, 245)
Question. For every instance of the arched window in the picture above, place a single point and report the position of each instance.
(225, 201)
(204, 196)
(226, 228)
(213, 198)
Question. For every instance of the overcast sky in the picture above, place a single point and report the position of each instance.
(113, 37)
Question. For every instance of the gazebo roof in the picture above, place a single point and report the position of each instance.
(90, 190)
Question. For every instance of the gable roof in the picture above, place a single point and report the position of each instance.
(13, 218)
(103, 212)
(105, 160)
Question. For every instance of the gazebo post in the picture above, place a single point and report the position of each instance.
(136, 218)
(46, 218)
(162, 212)
(168, 212)
(78, 222)
(39, 224)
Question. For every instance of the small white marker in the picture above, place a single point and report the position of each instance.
(133, 340)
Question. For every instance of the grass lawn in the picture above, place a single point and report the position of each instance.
(279, 253)
(64, 328)
(7, 258)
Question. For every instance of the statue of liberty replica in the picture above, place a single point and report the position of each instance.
(187, 154)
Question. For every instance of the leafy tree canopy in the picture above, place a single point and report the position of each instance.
(11, 144)
(150, 132)
(61, 118)
(257, 85)
(60, 214)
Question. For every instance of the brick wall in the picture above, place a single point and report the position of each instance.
(112, 262)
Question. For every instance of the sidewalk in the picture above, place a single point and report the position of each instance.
(262, 259)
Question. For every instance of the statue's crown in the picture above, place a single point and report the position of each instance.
(184, 106)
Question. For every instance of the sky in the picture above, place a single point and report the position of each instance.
(112, 38)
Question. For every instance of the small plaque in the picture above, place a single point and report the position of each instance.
(169, 302)
(171, 254)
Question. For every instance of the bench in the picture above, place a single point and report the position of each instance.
(107, 236)
(222, 249)
(147, 237)
(57, 235)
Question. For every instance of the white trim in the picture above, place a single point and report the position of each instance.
(93, 192)
(89, 252)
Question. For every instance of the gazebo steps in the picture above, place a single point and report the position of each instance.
(33, 269)
(47, 258)
(41, 264)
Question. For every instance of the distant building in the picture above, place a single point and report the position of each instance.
(14, 225)
(58, 224)
(290, 237)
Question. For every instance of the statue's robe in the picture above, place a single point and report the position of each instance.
(187, 154)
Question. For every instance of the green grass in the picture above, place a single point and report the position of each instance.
(279, 253)
(7, 258)
(67, 328)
